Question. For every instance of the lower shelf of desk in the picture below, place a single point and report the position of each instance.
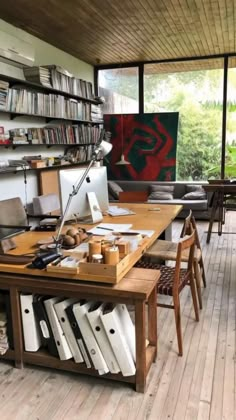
(42, 358)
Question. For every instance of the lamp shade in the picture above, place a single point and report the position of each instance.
(105, 147)
(122, 161)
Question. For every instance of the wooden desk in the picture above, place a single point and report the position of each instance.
(220, 193)
(137, 288)
(145, 218)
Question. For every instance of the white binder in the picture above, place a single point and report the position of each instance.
(65, 325)
(80, 309)
(93, 315)
(30, 326)
(113, 327)
(59, 336)
(128, 328)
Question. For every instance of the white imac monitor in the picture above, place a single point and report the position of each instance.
(95, 182)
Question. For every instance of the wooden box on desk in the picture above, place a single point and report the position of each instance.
(106, 273)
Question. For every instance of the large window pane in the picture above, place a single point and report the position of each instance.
(230, 155)
(195, 90)
(119, 87)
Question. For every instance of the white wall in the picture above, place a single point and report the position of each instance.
(12, 185)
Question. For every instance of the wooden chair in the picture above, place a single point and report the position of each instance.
(133, 196)
(12, 213)
(174, 279)
(167, 250)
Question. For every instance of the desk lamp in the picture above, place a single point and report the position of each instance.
(102, 149)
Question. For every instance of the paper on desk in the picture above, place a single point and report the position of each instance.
(106, 228)
(119, 211)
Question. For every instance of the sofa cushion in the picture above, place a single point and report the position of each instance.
(192, 188)
(194, 192)
(114, 189)
(195, 195)
(161, 192)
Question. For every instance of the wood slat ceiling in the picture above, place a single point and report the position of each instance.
(111, 31)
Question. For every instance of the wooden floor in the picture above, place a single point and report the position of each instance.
(200, 385)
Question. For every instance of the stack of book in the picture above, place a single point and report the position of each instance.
(18, 136)
(28, 101)
(100, 335)
(40, 75)
(96, 113)
(60, 79)
(4, 86)
(64, 134)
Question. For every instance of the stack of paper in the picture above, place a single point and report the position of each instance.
(119, 211)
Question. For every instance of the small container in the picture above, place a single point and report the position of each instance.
(94, 248)
(112, 255)
(97, 258)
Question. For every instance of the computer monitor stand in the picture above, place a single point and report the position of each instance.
(95, 211)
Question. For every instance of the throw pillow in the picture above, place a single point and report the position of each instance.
(114, 189)
(161, 192)
(195, 195)
(193, 188)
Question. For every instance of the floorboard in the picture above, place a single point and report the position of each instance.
(201, 385)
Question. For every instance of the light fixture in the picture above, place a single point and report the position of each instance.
(122, 160)
(102, 149)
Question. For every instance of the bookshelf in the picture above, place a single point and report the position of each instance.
(70, 120)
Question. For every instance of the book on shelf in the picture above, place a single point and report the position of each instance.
(55, 76)
(38, 74)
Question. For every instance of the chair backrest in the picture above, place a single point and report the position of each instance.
(12, 212)
(187, 242)
(45, 204)
(189, 226)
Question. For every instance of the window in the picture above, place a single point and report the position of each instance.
(195, 90)
(119, 87)
(230, 153)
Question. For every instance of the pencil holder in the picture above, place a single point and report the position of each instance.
(94, 248)
(104, 246)
(112, 255)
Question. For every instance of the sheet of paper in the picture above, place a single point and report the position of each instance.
(119, 211)
(106, 228)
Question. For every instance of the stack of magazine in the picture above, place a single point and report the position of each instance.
(100, 335)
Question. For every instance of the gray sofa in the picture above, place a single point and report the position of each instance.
(200, 205)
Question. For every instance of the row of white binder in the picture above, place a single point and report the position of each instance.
(101, 335)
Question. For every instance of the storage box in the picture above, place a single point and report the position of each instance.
(38, 164)
(101, 273)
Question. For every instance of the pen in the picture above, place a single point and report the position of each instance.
(100, 227)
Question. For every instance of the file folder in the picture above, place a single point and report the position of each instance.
(80, 310)
(66, 327)
(45, 329)
(128, 328)
(78, 336)
(93, 315)
(110, 318)
(59, 336)
(30, 326)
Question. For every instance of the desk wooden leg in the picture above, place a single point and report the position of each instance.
(221, 212)
(17, 329)
(140, 346)
(212, 218)
(152, 319)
